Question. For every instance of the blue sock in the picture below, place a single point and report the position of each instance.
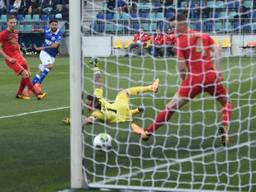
(43, 75)
(36, 79)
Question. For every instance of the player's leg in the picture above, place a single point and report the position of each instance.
(143, 89)
(47, 64)
(161, 118)
(183, 95)
(26, 77)
(220, 92)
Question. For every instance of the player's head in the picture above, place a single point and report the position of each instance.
(158, 30)
(92, 103)
(11, 22)
(179, 22)
(53, 25)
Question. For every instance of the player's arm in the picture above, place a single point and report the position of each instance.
(7, 57)
(216, 60)
(89, 120)
(98, 78)
(52, 46)
(182, 67)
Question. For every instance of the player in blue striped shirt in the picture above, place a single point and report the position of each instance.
(48, 51)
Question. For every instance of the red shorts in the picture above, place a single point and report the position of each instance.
(19, 65)
(194, 85)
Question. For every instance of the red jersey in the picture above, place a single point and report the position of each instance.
(143, 37)
(158, 39)
(170, 39)
(194, 47)
(9, 41)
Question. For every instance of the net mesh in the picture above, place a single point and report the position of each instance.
(186, 153)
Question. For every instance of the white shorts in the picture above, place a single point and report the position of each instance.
(46, 59)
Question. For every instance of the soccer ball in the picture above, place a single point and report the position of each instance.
(102, 141)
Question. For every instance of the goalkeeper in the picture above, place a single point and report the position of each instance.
(118, 111)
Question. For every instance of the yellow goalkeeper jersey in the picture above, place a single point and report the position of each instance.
(118, 111)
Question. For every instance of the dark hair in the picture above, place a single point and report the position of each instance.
(95, 101)
(181, 16)
(53, 21)
(11, 17)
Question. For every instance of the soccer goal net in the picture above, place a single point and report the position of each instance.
(186, 153)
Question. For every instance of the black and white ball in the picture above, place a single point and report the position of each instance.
(102, 141)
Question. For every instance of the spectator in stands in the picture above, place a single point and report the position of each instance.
(140, 42)
(157, 43)
(33, 7)
(47, 6)
(122, 6)
(132, 6)
(242, 13)
(169, 42)
(3, 6)
(16, 6)
(111, 5)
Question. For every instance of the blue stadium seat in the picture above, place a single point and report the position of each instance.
(44, 17)
(20, 27)
(100, 15)
(109, 27)
(3, 18)
(143, 15)
(28, 18)
(28, 28)
(109, 16)
(36, 18)
(153, 26)
(19, 17)
(145, 26)
(125, 16)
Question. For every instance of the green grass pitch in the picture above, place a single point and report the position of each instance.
(34, 148)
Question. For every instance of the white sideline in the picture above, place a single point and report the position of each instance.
(173, 163)
(33, 112)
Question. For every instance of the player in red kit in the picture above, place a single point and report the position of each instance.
(158, 41)
(10, 50)
(198, 75)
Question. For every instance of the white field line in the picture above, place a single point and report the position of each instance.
(175, 162)
(33, 112)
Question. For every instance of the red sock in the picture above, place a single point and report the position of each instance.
(160, 119)
(30, 86)
(226, 113)
(21, 87)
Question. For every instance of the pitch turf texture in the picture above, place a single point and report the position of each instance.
(186, 153)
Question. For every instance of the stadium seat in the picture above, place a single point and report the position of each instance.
(226, 43)
(218, 26)
(3, 18)
(153, 26)
(44, 17)
(109, 27)
(20, 27)
(118, 44)
(117, 16)
(145, 26)
(127, 42)
(159, 16)
(36, 18)
(248, 3)
(28, 28)
(228, 27)
(28, 18)
(217, 41)
(109, 16)
(119, 28)
(19, 17)
(125, 16)
(232, 14)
